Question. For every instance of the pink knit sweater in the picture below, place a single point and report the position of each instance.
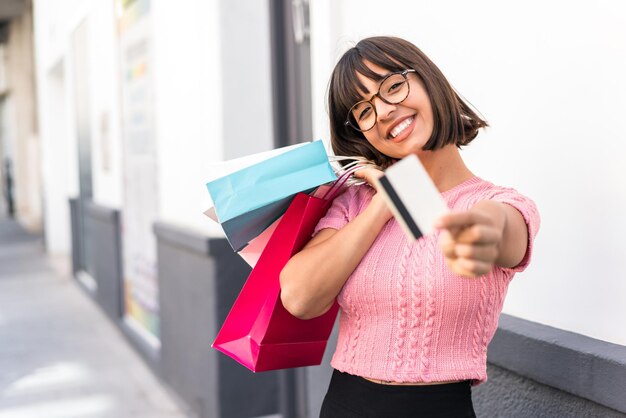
(405, 316)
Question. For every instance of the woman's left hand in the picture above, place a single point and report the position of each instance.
(470, 241)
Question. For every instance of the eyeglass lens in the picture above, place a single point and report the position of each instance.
(393, 90)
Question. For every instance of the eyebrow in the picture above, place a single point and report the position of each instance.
(367, 92)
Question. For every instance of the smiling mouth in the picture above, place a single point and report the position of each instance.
(401, 127)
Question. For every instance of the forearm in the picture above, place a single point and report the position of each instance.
(313, 278)
(514, 241)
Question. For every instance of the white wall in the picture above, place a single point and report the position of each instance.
(105, 107)
(55, 162)
(190, 103)
(246, 77)
(213, 97)
(549, 79)
(53, 25)
(188, 109)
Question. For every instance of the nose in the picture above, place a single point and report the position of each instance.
(383, 110)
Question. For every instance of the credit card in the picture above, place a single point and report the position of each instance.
(412, 196)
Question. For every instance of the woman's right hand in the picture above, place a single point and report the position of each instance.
(378, 203)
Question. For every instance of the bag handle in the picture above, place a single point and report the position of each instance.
(335, 158)
(343, 178)
(340, 181)
(355, 160)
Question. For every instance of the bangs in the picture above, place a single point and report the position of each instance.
(350, 88)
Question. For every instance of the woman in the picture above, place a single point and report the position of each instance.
(416, 317)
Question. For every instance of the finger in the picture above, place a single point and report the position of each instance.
(460, 220)
(447, 244)
(486, 253)
(457, 269)
(475, 267)
(368, 173)
(478, 234)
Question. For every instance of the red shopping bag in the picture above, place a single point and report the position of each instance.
(259, 332)
(252, 252)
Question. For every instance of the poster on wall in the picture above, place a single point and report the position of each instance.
(140, 169)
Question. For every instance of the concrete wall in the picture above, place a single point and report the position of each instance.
(200, 279)
(509, 395)
(582, 366)
(537, 370)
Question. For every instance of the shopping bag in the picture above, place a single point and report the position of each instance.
(219, 169)
(242, 229)
(252, 252)
(270, 181)
(259, 332)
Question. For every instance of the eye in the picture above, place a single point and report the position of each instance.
(395, 86)
(362, 112)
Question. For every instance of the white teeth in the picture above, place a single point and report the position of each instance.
(401, 127)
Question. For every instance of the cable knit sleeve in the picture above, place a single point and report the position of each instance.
(339, 212)
(529, 212)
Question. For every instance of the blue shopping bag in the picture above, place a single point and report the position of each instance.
(252, 198)
(242, 229)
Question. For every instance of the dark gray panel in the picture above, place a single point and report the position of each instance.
(78, 235)
(185, 301)
(75, 234)
(104, 256)
(583, 366)
(291, 75)
(185, 240)
(199, 279)
(97, 249)
(508, 395)
(318, 377)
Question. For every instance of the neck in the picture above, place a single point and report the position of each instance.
(445, 167)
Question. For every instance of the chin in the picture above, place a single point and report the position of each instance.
(410, 147)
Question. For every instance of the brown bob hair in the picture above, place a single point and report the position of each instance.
(455, 122)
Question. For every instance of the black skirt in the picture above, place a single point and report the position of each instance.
(352, 396)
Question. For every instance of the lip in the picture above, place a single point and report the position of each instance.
(407, 131)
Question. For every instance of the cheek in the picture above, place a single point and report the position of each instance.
(428, 114)
(376, 140)
(385, 147)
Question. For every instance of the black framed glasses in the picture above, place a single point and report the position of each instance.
(393, 89)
